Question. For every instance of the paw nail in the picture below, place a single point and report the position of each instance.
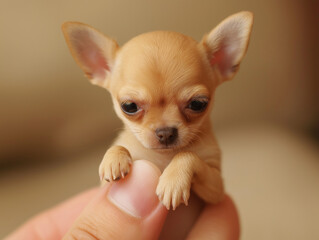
(123, 174)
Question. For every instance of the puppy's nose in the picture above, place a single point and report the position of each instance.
(167, 135)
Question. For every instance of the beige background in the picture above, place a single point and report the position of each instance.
(55, 126)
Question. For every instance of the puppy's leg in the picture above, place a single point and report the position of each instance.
(208, 184)
(175, 182)
(115, 164)
(187, 169)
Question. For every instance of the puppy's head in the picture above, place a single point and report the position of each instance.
(162, 83)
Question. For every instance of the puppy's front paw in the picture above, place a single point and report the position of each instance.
(172, 189)
(115, 164)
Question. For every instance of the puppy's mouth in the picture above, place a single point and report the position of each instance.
(164, 148)
(162, 140)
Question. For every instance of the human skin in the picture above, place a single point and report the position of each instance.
(128, 209)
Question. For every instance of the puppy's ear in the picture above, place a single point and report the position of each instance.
(227, 43)
(93, 52)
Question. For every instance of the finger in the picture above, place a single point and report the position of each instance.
(219, 222)
(54, 223)
(130, 209)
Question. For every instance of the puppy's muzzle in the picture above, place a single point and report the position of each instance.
(167, 136)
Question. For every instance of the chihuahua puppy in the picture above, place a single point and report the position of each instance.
(162, 85)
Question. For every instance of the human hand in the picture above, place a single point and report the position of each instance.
(128, 209)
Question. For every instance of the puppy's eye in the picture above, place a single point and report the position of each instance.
(129, 108)
(198, 105)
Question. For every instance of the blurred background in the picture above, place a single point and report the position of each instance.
(55, 126)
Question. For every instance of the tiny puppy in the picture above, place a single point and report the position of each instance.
(162, 85)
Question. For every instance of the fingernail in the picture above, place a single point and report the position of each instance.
(135, 194)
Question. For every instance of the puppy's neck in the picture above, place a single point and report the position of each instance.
(161, 158)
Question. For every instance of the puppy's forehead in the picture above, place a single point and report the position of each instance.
(160, 61)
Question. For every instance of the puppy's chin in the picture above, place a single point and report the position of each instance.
(164, 148)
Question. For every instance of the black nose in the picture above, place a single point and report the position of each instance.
(167, 135)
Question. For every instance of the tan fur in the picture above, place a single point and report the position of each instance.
(162, 72)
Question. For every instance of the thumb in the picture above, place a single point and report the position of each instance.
(127, 209)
